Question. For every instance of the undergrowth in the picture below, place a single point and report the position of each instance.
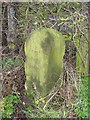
(53, 106)
(8, 105)
(9, 63)
(56, 108)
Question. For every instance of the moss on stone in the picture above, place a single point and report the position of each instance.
(44, 52)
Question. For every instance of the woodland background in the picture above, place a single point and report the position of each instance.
(18, 20)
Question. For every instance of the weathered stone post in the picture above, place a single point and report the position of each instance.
(44, 60)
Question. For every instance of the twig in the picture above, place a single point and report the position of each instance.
(49, 100)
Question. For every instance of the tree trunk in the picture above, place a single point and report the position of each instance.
(12, 24)
(88, 5)
(88, 38)
(4, 28)
(69, 70)
(1, 49)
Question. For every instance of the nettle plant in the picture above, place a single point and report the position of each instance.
(8, 105)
